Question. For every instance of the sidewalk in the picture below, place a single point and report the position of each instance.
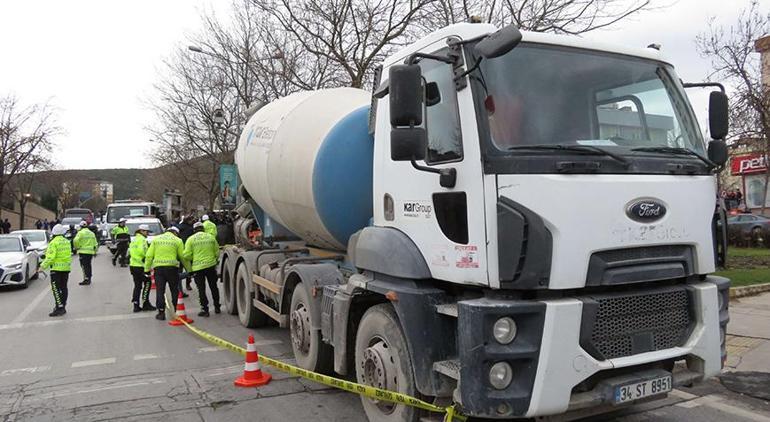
(748, 339)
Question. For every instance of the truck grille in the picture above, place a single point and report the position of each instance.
(625, 324)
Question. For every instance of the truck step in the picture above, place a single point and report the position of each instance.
(450, 368)
(447, 309)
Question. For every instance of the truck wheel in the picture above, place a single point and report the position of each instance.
(250, 316)
(228, 290)
(383, 361)
(310, 351)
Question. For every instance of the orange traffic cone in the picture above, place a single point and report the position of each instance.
(180, 313)
(252, 373)
(152, 278)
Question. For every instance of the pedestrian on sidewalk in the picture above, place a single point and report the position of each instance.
(137, 251)
(202, 252)
(58, 258)
(164, 255)
(85, 245)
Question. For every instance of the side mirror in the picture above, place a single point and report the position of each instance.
(498, 43)
(718, 119)
(407, 144)
(406, 94)
(717, 152)
(30, 248)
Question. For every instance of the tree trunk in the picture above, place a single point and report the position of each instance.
(22, 214)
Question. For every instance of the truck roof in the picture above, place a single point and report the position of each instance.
(467, 31)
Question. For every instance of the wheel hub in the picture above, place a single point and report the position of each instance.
(379, 370)
(300, 329)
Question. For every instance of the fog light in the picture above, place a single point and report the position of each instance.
(504, 330)
(500, 375)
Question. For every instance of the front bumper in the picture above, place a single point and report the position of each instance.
(10, 277)
(553, 373)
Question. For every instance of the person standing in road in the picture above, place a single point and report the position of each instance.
(137, 251)
(208, 226)
(164, 255)
(58, 257)
(85, 245)
(119, 234)
(185, 231)
(202, 252)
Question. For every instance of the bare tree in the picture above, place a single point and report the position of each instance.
(20, 185)
(736, 63)
(26, 136)
(556, 16)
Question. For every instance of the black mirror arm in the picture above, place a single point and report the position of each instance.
(704, 85)
(447, 176)
(413, 59)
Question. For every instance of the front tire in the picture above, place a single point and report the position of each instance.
(310, 351)
(250, 316)
(383, 361)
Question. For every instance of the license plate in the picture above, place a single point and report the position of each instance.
(640, 390)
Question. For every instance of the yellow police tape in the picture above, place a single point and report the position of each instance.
(365, 390)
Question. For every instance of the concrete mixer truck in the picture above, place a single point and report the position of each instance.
(520, 223)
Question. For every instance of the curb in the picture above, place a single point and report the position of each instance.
(738, 292)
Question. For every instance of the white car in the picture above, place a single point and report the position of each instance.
(19, 261)
(38, 239)
(156, 228)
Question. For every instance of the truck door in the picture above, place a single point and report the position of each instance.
(446, 223)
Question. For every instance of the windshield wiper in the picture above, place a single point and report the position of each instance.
(677, 151)
(583, 149)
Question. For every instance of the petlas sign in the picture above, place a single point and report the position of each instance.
(748, 164)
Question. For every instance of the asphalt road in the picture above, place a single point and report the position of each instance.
(103, 362)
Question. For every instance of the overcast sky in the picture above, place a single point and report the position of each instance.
(96, 62)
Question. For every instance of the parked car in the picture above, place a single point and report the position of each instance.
(82, 213)
(19, 261)
(156, 228)
(748, 229)
(38, 239)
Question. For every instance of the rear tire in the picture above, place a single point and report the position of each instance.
(383, 360)
(310, 351)
(250, 316)
(228, 289)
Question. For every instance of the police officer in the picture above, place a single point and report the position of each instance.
(202, 251)
(122, 231)
(137, 251)
(208, 226)
(164, 255)
(58, 257)
(85, 245)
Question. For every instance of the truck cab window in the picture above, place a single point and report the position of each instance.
(443, 117)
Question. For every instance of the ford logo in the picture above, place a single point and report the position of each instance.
(646, 210)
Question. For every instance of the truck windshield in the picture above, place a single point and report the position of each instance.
(545, 95)
(114, 214)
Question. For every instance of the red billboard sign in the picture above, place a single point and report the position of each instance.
(748, 164)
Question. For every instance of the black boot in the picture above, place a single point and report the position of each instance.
(137, 308)
(85, 282)
(161, 315)
(148, 307)
(204, 313)
(58, 311)
(217, 309)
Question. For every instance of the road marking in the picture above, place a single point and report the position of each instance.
(31, 370)
(146, 356)
(82, 363)
(105, 318)
(210, 349)
(224, 371)
(32, 305)
(737, 411)
(62, 393)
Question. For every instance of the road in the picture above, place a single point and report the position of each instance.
(103, 362)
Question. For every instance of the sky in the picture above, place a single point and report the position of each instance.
(96, 62)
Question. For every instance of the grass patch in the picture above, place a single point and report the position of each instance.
(746, 252)
(746, 277)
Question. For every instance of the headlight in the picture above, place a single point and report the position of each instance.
(14, 266)
(500, 375)
(504, 330)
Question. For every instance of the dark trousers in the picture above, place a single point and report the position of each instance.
(141, 293)
(59, 287)
(166, 276)
(210, 275)
(85, 264)
(120, 252)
